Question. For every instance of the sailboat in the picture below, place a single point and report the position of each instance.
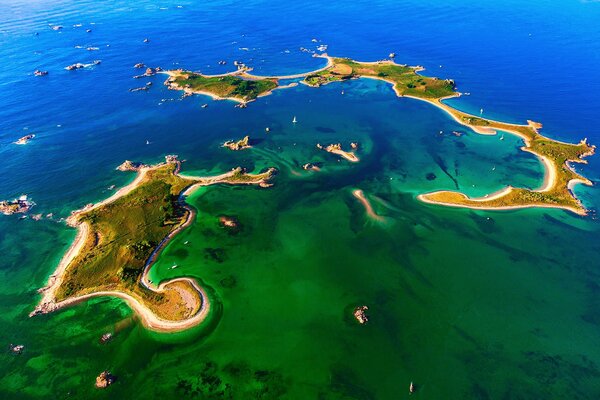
(147, 142)
(502, 137)
(294, 120)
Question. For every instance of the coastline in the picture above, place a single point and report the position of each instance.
(148, 317)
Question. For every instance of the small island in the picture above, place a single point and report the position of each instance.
(556, 191)
(239, 145)
(25, 139)
(16, 206)
(336, 148)
(119, 238)
(236, 87)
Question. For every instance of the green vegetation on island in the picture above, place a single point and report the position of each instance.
(406, 80)
(241, 144)
(224, 86)
(120, 236)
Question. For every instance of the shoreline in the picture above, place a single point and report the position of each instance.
(150, 320)
(505, 191)
(556, 169)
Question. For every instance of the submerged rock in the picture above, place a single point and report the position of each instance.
(228, 222)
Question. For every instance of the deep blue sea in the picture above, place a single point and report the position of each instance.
(519, 60)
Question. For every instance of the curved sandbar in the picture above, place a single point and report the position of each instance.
(118, 240)
(360, 195)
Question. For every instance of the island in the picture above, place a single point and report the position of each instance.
(336, 148)
(406, 81)
(239, 145)
(25, 139)
(229, 86)
(16, 206)
(119, 238)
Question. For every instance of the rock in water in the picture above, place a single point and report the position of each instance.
(360, 314)
(104, 380)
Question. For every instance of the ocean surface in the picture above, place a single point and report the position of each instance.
(466, 304)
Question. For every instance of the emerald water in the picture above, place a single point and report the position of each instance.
(466, 304)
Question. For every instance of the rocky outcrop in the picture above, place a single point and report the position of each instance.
(17, 206)
(25, 139)
(131, 166)
(75, 66)
(239, 145)
(360, 314)
(228, 222)
(104, 380)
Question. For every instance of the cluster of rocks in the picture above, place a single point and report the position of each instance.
(46, 307)
(239, 145)
(228, 222)
(17, 348)
(172, 158)
(146, 87)
(105, 379)
(25, 139)
(360, 314)
(149, 71)
(310, 167)
(128, 165)
(16, 206)
(75, 66)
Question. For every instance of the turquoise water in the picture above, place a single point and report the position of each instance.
(465, 304)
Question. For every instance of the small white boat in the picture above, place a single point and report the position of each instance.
(294, 120)
(502, 137)
(174, 266)
(481, 111)
(186, 242)
(411, 388)
(147, 142)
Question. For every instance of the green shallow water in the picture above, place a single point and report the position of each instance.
(465, 304)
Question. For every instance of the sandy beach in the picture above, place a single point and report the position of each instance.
(148, 317)
(359, 194)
